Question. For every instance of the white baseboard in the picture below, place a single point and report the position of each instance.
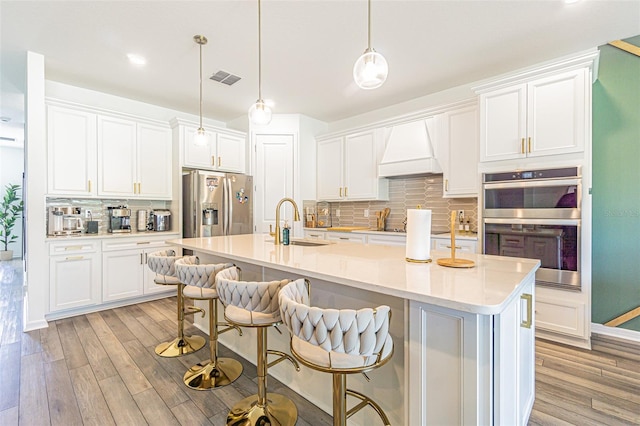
(621, 333)
(35, 325)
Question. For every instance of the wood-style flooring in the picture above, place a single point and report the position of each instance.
(101, 369)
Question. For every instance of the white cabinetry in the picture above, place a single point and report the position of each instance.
(462, 245)
(134, 159)
(316, 235)
(346, 236)
(485, 375)
(71, 151)
(224, 151)
(74, 275)
(347, 167)
(458, 151)
(124, 268)
(387, 239)
(544, 116)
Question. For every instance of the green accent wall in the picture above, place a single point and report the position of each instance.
(616, 186)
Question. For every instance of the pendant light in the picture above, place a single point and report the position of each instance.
(370, 70)
(200, 138)
(260, 113)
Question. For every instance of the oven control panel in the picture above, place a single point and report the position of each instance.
(567, 172)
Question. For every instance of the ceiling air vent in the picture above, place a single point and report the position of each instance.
(225, 78)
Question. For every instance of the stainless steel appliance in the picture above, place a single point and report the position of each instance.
(64, 220)
(160, 220)
(119, 219)
(536, 214)
(216, 204)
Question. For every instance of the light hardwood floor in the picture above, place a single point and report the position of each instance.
(100, 369)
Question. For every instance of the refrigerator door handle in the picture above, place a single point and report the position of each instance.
(225, 208)
(230, 207)
(195, 218)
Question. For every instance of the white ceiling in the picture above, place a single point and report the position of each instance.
(309, 47)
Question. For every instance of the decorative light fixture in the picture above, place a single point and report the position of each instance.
(370, 70)
(200, 138)
(260, 113)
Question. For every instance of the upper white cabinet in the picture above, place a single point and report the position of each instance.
(225, 150)
(347, 167)
(71, 151)
(134, 159)
(92, 154)
(458, 151)
(540, 117)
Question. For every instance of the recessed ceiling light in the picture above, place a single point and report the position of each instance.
(136, 59)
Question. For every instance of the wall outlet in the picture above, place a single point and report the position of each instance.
(460, 214)
(366, 212)
(337, 212)
(87, 214)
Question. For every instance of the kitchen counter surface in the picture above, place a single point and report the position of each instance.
(485, 289)
(85, 236)
(473, 236)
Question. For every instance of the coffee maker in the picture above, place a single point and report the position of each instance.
(119, 219)
(64, 220)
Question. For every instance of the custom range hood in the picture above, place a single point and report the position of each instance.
(409, 150)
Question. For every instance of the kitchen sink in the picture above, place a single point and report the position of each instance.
(309, 243)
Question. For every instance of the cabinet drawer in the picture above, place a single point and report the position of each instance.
(74, 247)
(346, 236)
(561, 317)
(465, 246)
(512, 241)
(387, 240)
(318, 235)
(127, 244)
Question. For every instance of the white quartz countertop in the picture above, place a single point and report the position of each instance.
(108, 235)
(485, 289)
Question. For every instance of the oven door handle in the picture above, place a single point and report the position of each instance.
(519, 221)
(532, 183)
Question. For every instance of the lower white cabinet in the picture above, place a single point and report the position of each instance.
(124, 269)
(387, 240)
(462, 246)
(481, 366)
(74, 275)
(346, 236)
(316, 235)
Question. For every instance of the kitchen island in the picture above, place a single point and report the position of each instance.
(464, 338)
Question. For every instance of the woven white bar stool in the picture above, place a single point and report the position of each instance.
(200, 285)
(255, 304)
(337, 341)
(163, 264)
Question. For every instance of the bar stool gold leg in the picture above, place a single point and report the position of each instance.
(181, 345)
(339, 399)
(216, 372)
(263, 408)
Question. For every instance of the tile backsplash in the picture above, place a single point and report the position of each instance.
(99, 210)
(407, 193)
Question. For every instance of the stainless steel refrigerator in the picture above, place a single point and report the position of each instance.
(216, 204)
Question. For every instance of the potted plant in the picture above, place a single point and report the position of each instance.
(10, 208)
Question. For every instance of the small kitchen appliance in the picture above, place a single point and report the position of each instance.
(119, 219)
(160, 220)
(64, 220)
(143, 220)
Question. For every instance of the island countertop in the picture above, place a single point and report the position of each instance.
(484, 289)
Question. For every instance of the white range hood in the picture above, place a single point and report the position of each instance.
(409, 150)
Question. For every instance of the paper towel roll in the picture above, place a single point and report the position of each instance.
(418, 235)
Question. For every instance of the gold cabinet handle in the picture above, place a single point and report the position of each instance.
(446, 187)
(345, 192)
(89, 185)
(134, 188)
(457, 247)
(219, 161)
(74, 258)
(213, 160)
(522, 147)
(529, 145)
(139, 188)
(340, 192)
(529, 320)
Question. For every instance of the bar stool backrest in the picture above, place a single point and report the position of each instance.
(163, 262)
(362, 332)
(190, 272)
(254, 296)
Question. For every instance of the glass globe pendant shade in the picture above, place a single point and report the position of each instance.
(370, 70)
(200, 138)
(260, 113)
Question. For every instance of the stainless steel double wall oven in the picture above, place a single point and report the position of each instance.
(536, 214)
